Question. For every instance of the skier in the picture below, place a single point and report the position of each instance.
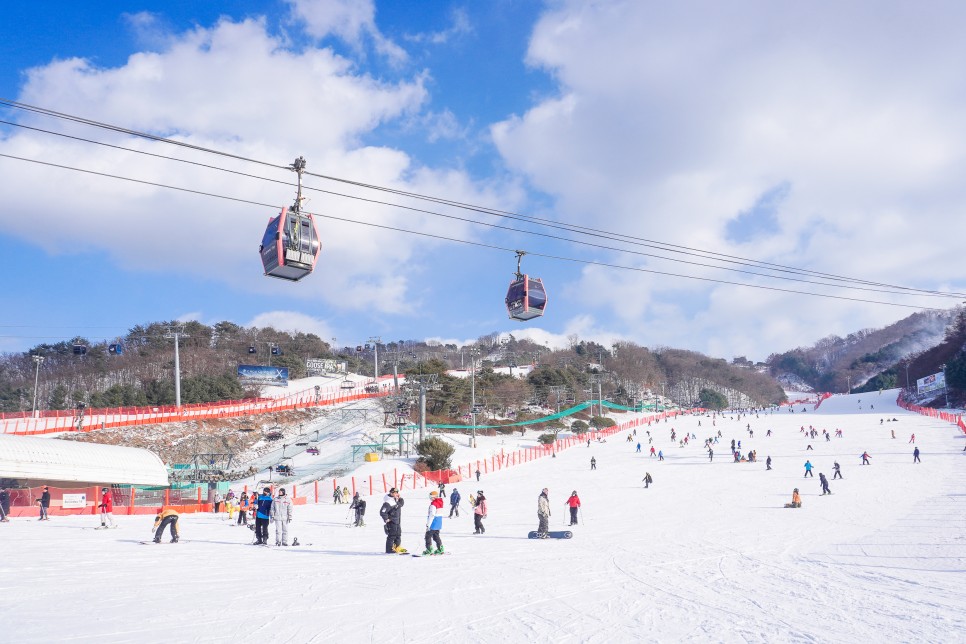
(710, 455)
(243, 510)
(282, 516)
(454, 503)
(808, 469)
(824, 482)
(107, 509)
(638, 448)
(44, 504)
(653, 452)
(837, 471)
(345, 495)
(647, 480)
(768, 463)
(165, 517)
(434, 523)
(359, 505)
(912, 439)
(915, 455)
(593, 462)
(479, 512)
(263, 512)
(796, 500)
(574, 503)
(865, 458)
(218, 501)
(543, 515)
(391, 513)
(478, 474)
(660, 455)
(337, 495)
(4, 505)
(768, 433)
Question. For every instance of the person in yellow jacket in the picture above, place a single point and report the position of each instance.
(166, 517)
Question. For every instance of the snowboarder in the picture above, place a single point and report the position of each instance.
(593, 462)
(865, 458)
(824, 482)
(107, 509)
(263, 512)
(808, 469)
(796, 500)
(647, 480)
(359, 505)
(574, 503)
(391, 513)
(543, 514)
(165, 517)
(434, 523)
(44, 504)
(837, 473)
(660, 455)
(479, 512)
(454, 503)
(768, 463)
(478, 475)
(282, 516)
(915, 455)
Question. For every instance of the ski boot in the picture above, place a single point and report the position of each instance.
(174, 540)
(157, 540)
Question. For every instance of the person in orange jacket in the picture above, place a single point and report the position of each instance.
(166, 517)
(796, 500)
(574, 503)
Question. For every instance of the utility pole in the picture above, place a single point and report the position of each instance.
(473, 353)
(38, 360)
(177, 334)
(945, 386)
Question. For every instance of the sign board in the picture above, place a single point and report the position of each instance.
(249, 374)
(319, 366)
(935, 382)
(74, 501)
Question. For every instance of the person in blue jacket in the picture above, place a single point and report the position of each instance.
(808, 469)
(454, 503)
(263, 511)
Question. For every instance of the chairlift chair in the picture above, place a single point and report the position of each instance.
(348, 384)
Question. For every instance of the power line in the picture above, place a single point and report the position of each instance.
(674, 248)
(468, 242)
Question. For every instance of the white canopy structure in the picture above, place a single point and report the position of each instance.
(51, 461)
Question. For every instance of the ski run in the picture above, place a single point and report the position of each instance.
(706, 553)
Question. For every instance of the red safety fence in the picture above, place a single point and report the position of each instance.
(821, 399)
(956, 419)
(47, 422)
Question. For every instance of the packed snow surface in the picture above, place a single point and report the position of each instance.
(706, 554)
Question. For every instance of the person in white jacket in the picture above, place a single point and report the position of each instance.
(282, 516)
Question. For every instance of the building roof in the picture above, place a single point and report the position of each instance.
(48, 460)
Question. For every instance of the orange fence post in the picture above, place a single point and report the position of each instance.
(395, 477)
(130, 503)
(384, 488)
(370, 485)
(316, 491)
(353, 486)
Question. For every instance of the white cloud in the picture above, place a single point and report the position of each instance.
(293, 322)
(349, 20)
(459, 25)
(671, 120)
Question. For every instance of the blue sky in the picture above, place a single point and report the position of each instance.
(751, 130)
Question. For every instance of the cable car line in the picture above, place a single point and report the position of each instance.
(474, 243)
(462, 219)
(712, 255)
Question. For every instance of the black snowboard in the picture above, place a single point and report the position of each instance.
(563, 534)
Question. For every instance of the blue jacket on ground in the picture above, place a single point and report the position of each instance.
(264, 507)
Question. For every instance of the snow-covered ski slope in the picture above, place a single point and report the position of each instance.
(707, 554)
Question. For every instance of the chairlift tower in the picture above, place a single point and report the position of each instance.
(176, 333)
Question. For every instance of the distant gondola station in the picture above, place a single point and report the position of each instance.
(290, 246)
(526, 298)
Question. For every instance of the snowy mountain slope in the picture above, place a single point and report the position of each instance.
(706, 554)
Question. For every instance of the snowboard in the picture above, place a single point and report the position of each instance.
(422, 555)
(562, 534)
(158, 543)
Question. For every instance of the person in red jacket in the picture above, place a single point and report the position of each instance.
(574, 503)
(107, 507)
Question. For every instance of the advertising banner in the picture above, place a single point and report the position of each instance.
(321, 366)
(249, 374)
(935, 382)
(74, 501)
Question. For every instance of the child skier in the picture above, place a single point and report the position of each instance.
(479, 512)
(359, 505)
(434, 523)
